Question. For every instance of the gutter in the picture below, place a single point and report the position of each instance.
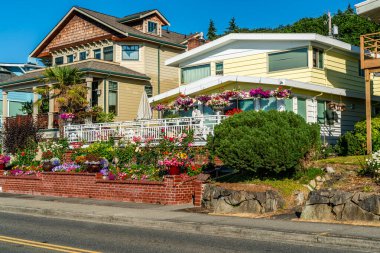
(156, 40)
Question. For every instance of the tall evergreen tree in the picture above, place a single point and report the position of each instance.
(211, 33)
(233, 27)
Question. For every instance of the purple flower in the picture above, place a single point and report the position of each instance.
(104, 172)
(259, 93)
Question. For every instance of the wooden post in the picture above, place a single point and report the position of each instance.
(368, 110)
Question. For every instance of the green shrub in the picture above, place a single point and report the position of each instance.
(264, 143)
(354, 143)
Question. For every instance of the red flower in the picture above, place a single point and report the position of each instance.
(171, 139)
(22, 153)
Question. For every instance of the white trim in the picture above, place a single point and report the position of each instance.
(212, 81)
(367, 8)
(145, 15)
(175, 61)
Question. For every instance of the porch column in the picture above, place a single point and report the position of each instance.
(89, 81)
(5, 105)
(368, 110)
(51, 110)
(35, 105)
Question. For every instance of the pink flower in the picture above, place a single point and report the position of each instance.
(190, 144)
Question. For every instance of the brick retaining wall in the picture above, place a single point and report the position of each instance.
(173, 190)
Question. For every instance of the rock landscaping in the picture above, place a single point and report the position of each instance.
(328, 204)
(226, 201)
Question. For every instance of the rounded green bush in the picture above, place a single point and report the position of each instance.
(266, 143)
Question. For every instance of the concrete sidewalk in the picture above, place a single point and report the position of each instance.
(175, 218)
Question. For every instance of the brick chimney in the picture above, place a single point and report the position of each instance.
(195, 41)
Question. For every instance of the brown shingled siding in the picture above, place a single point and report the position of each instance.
(77, 29)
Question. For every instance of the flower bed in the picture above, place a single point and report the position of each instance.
(173, 190)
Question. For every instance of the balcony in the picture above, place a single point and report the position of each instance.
(370, 52)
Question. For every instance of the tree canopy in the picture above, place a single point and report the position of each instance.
(351, 26)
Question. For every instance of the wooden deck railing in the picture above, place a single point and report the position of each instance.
(370, 51)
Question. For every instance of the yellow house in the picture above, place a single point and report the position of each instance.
(120, 57)
(317, 69)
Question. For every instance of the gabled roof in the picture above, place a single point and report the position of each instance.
(113, 24)
(88, 66)
(141, 15)
(230, 38)
(369, 9)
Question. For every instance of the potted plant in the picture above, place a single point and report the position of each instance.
(67, 117)
(184, 102)
(92, 163)
(218, 103)
(46, 160)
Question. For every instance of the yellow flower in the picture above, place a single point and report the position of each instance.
(182, 155)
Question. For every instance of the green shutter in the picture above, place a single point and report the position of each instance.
(289, 105)
(196, 73)
(321, 108)
(301, 104)
(297, 58)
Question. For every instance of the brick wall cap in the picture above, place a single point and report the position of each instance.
(130, 182)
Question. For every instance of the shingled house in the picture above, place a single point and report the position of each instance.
(121, 57)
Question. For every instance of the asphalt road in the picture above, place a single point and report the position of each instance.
(19, 232)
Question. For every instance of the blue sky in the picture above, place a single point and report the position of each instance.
(24, 23)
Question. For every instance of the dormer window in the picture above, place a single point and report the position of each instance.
(152, 27)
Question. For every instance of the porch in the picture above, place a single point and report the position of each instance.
(143, 130)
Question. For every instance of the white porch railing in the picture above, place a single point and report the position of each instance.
(144, 129)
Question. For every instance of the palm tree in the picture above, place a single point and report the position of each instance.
(67, 86)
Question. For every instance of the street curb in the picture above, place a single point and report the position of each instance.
(259, 234)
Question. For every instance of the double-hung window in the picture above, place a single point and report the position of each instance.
(98, 54)
(292, 59)
(70, 58)
(318, 58)
(59, 60)
(108, 53)
(112, 97)
(130, 52)
(152, 27)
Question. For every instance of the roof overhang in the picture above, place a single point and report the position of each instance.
(40, 46)
(225, 40)
(218, 81)
(369, 9)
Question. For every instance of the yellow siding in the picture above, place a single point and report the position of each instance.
(168, 75)
(134, 65)
(257, 65)
(129, 95)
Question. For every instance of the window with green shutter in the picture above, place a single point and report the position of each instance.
(301, 104)
(297, 58)
(321, 108)
(195, 73)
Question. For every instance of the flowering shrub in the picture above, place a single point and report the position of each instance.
(66, 116)
(47, 155)
(25, 157)
(230, 94)
(234, 111)
(4, 159)
(372, 167)
(67, 167)
(24, 171)
(56, 148)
